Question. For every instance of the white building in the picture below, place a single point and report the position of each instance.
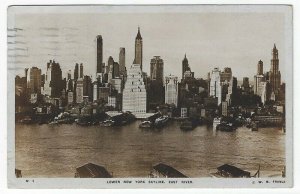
(79, 91)
(258, 79)
(171, 90)
(134, 93)
(215, 89)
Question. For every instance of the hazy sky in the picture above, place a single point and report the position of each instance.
(209, 38)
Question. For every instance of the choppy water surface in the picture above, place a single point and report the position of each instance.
(56, 151)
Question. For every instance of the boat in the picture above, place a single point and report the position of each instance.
(229, 171)
(107, 123)
(227, 127)
(91, 170)
(161, 121)
(146, 124)
(165, 171)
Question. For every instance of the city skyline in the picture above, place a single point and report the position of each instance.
(67, 44)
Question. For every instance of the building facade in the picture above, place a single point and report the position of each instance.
(215, 86)
(122, 65)
(134, 93)
(274, 75)
(138, 59)
(53, 80)
(99, 54)
(34, 80)
(171, 90)
(157, 69)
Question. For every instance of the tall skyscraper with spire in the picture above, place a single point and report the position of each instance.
(274, 75)
(99, 54)
(138, 59)
(185, 66)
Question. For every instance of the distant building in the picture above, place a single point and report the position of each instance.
(116, 84)
(70, 97)
(138, 59)
(88, 87)
(215, 89)
(79, 91)
(275, 76)
(103, 93)
(34, 80)
(134, 93)
(186, 67)
(53, 81)
(122, 65)
(81, 71)
(226, 75)
(171, 90)
(76, 73)
(157, 69)
(99, 54)
(224, 109)
(183, 112)
(246, 85)
(112, 101)
(260, 68)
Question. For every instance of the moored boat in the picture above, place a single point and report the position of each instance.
(229, 171)
(146, 124)
(161, 121)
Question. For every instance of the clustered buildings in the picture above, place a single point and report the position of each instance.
(131, 89)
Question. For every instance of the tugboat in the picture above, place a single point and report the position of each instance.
(161, 121)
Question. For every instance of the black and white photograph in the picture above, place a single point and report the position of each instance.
(150, 96)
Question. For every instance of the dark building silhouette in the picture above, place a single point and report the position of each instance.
(138, 59)
(81, 71)
(116, 70)
(157, 69)
(260, 68)
(274, 74)
(122, 66)
(76, 72)
(110, 64)
(185, 66)
(54, 84)
(100, 54)
(155, 89)
(88, 87)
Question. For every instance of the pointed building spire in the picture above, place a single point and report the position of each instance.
(138, 36)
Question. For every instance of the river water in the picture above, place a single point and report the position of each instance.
(127, 151)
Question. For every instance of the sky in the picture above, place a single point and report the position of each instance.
(209, 38)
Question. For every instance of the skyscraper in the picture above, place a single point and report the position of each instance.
(110, 64)
(134, 93)
(185, 66)
(81, 71)
(215, 89)
(138, 59)
(34, 80)
(122, 66)
(99, 54)
(157, 69)
(274, 75)
(53, 82)
(260, 68)
(171, 90)
(76, 72)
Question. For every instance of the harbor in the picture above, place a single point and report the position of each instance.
(130, 151)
